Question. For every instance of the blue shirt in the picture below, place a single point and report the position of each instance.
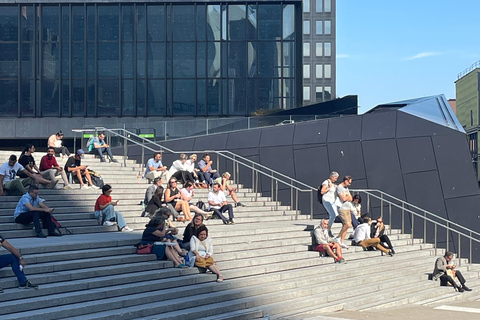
(151, 163)
(26, 198)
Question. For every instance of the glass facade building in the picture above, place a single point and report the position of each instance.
(141, 59)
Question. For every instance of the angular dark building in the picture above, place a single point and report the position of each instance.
(148, 59)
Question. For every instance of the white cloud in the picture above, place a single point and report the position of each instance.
(342, 55)
(423, 55)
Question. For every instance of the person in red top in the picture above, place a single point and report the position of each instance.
(49, 168)
(105, 212)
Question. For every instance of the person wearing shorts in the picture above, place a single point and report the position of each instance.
(327, 244)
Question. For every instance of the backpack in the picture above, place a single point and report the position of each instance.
(89, 143)
(201, 205)
(319, 194)
(97, 180)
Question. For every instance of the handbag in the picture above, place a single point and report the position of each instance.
(145, 248)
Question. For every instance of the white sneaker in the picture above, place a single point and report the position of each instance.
(343, 245)
(127, 229)
(109, 223)
(68, 187)
(94, 187)
(85, 187)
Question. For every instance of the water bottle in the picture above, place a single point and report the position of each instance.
(267, 317)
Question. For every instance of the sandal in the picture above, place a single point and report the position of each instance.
(219, 278)
(182, 265)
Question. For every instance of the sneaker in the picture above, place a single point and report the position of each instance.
(108, 223)
(103, 160)
(28, 285)
(41, 235)
(239, 204)
(342, 260)
(94, 187)
(114, 160)
(68, 187)
(231, 221)
(85, 187)
(127, 229)
(343, 245)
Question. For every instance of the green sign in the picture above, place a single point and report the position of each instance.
(88, 135)
(147, 135)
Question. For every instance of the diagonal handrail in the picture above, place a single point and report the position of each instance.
(278, 177)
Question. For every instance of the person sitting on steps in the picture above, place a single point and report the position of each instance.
(362, 236)
(327, 244)
(98, 146)
(224, 182)
(74, 166)
(442, 269)
(105, 212)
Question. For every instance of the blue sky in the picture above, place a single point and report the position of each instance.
(391, 50)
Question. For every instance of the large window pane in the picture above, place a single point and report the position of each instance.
(328, 49)
(328, 71)
(78, 98)
(51, 63)
(252, 22)
(306, 27)
(328, 27)
(236, 96)
(184, 60)
(108, 22)
(156, 60)
(78, 23)
(91, 98)
(65, 98)
(127, 60)
(156, 97)
(213, 20)
(289, 22)
(91, 31)
(50, 97)
(156, 22)
(201, 22)
(9, 23)
(201, 59)
(141, 57)
(28, 56)
(8, 98)
(201, 98)
(236, 22)
(237, 52)
(78, 60)
(107, 98)
(141, 99)
(268, 62)
(65, 23)
(27, 96)
(128, 101)
(27, 23)
(213, 97)
(288, 59)
(251, 95)
(50, 27)
(183, 23)
(269, 22)
(141, 23)
(8, 60)
(319, 93)
(108, 63)
(128, 22)
(65, 60)
(183, 97)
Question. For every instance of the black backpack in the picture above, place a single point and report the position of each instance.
(201, 205)
(319, 194)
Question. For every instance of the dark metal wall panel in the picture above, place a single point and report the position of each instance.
(411, 126)
(277, 136)
(455, 165)
(311, 132)
(464, 211)
(211, 142)
(315, 159)
(347, 159)
(344, 129)
(244, 139)
(380, 125)
(425, 188)
(416, 154)
(382, 166)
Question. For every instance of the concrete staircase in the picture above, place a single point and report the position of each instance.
(95, 273)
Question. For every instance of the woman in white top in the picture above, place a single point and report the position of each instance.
(187, 195)
(178, 170)
(201, 249)
(196, 173)
(328, 199)
(55, 141)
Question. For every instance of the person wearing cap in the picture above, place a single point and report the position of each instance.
(55, 141)
(224, 181)
(74, 167)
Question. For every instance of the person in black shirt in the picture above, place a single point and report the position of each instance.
(190, 230)
(74, 166)
(28, 162)
(17, 262)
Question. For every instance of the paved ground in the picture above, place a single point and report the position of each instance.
(464, 310)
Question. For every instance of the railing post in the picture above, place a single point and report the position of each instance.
(206, 129)
(368, 203)
(125, 147)
(459, 251)
(276, 195)
(75, 141)
(381, 205)
(413, 228)
(218, 164)
(448, 236)
(311, 204)
(143, 154)
(296, 205)
(403, 217)
(253, 178)
(390, 217)
(435, 239)
(291, 193)
(256, 186)
(424, 227)
(471, 257)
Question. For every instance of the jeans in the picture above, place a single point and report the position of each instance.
(109, 213)
(226, 207)
(10, 259)
(63, 150)
(209, 175)
(106, 150)
(332, 212)
(35, 216)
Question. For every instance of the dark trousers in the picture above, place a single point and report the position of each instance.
(35, 216)
(446, 278)
(63, 150)
(226, 207)
(201, 176)
(10, 259)
(209, 176)
(385, 239)
(183, 176)
(101, 151)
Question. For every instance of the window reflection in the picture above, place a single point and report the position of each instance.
(328, 27)
(328, 49)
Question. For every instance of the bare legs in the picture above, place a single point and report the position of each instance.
(173, 256)
(185, 208)
(216, 270)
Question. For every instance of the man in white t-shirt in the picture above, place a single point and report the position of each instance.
(8, 181)
(218, 203)
(344, 198)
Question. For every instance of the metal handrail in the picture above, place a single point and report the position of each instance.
(255, 167)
